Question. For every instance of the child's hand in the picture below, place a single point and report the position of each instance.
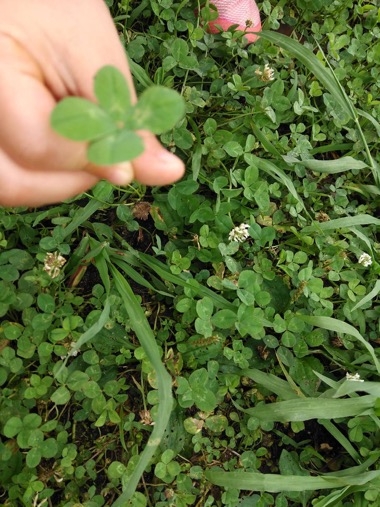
(50, 50)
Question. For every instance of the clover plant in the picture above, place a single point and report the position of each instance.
(111, 125)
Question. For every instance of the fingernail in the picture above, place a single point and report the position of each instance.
(168, 158)
(121, 174)
(172, 163)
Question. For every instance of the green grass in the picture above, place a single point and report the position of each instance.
(168, 366)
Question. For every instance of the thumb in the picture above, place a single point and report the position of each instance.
(156, 166)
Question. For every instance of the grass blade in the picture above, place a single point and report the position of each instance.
(102, 267)
(145, 335)
(328, 166)
(276, 173)
(196, 161)
(136, 277)
(374, 292)
(274, 483)
(311, 408)
(87, 335)
(341, 223)
(140, 74)
(341, 438)
(81, 215)
(274, 384)
(370, 118)
(264, 141)
(351, 386)
(336, 496)
(94, 329)
(136, 12)
(340, 327)
(364, 238)
(373, 457)
(163, 271)
(327, 148)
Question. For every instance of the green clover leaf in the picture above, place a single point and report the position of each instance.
(110, 125)
(81, 120)
(111, 90)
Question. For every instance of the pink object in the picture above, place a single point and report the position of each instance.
(243, 13)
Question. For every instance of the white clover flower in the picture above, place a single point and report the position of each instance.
(53, 263)
(73, 352)
(354, 376)
(365, 260)
(239, 233)
(267, 74)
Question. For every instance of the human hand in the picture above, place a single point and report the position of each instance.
(50, 50)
